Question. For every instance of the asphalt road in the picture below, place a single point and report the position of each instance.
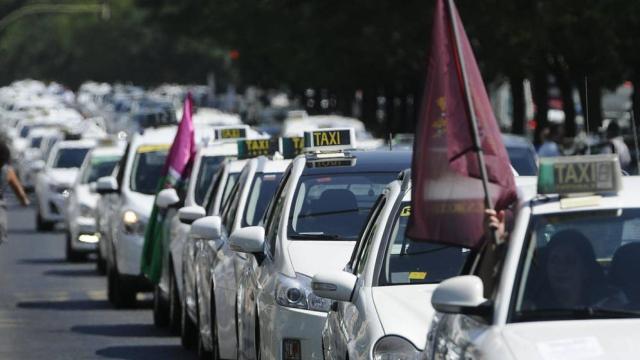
(51, 309)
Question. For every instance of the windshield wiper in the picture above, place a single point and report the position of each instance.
(314, 236)
(577, 313)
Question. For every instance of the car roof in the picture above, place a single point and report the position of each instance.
(365, 161)
(107, 151)
(162, 135)
(235, 166)
(511, 140)
(217, 149)
(628, 197)
(266, 165)
(76, 143)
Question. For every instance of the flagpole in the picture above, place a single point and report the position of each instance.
(475, 136)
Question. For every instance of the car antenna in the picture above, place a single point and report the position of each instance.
(390, 142)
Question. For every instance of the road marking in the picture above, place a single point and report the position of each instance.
(96, 295)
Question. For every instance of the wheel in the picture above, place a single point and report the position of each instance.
(160, 308)
(120, 292)
(42, 225)
(71, 254)
(188, 330)
(175, 306)
(101, 264)
(203, 353)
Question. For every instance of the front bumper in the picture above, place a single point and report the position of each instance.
(85, 236)
(129, 252)
(298, 324)
(52, 207)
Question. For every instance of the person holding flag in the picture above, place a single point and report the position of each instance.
(460, 164)
(175, 173)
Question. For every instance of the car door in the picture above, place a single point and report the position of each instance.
(346, 320)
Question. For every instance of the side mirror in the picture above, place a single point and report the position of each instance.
(38, 165)
(167, 198)
(106, 185)
(335, 285)
(461, 295)
(248, 240)
(189, 214)
(206, 228)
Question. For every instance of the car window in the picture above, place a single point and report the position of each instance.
(211, 193)
(364, 246)
(580, 265)
(415, 262)
(99, 167)
(523, 160)
(231, 208)
(209, 165)
(260, 193)
(69, 157)
(147, 169)
(272, 217)
(334, 206)
(232, 179)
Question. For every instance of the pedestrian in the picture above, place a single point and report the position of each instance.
(8, 176)
(616, 145)
(551, 137)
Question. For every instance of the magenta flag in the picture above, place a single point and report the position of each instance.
(447, 192)
(183, 149)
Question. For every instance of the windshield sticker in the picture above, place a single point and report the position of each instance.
(406, 211)
(152, 148)
(570, 349)
(417, 275)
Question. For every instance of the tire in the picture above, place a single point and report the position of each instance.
(120, 292)
(101, 264)
(72, 255)
(203, 353)
(160, 308)
(175, 305)
(188, 330)
(42, 225)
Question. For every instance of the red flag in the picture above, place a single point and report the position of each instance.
(447, 192)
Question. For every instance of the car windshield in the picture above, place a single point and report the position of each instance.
(232, 179)
(412, 262)
(580, 265)
(523, 160)
(25, 131)
(70, 157)
(147, 168)
(261, 192)
(99, 167)
(209, 165)
(35, 142)
(334, 206)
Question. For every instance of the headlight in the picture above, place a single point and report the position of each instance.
(395, 348)
(132, 223)
(296, 293)
(60, 189)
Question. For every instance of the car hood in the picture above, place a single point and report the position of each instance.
(574, 339)
(312, 257)
(405, 310)
(65, 177)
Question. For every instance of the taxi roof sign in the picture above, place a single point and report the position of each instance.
(291, 146)
(249, 148)
(334, 139)
(229, 132)
(589, 174)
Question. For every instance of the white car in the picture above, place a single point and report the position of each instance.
(129, 197)
(82, 237)
(564, 285)
(32, 157)
(218, 194)
(56, 179)
(217, 265)
(311, 226)
(168, 291)
(381, 297)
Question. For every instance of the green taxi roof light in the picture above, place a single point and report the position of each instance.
(333, 139)
(589, 174)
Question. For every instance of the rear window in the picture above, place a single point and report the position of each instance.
(209, 165)
(99, 167)
(70, 157)
(334, 206)
(35, 142)
(523, 160)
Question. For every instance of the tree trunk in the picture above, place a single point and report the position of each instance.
(519, 116)
(541, 99)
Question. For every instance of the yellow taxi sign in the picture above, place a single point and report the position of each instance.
(230, 133)
(152, 148)
(589, 174)
(330, 139)
(249, 148)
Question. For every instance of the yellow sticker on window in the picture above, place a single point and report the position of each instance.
(417, 275)
(406, 211)
(153, 148)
